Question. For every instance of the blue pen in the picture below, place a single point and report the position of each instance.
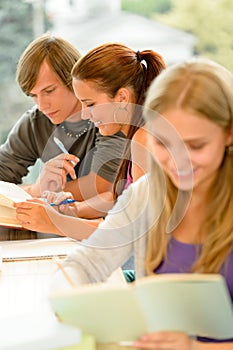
(62, 147)
(65, 201)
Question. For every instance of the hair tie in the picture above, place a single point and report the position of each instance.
(139, 56)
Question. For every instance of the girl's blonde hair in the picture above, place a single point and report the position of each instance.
(206, 89)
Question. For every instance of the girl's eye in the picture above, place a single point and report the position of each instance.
(90, 105)
(197, 146)
(161, 143)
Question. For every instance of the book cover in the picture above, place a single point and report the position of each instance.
(198, 304)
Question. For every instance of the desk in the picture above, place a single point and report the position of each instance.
(26, 318)
(24, 287)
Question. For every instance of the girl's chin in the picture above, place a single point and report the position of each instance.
(185, 188)
(106, 130)
(103, 131)
(183, 184)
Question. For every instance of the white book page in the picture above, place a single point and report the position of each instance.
(8, 215)
(10, 192)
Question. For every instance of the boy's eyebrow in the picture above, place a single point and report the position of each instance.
(45, 88)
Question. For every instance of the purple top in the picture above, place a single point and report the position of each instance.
(180, 259)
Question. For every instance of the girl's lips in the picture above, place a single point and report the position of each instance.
(183, 173)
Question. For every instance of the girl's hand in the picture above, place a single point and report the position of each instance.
(35, 215)
(166, 341)
(56, 198)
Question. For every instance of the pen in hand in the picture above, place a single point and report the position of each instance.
(65, 201)
(62, 147)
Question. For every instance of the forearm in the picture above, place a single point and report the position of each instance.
(95, 207)
(37, 216)
(72, 227)
(33, 189)
(30, 189)
(88, 186)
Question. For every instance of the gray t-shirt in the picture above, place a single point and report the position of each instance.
(32, 138)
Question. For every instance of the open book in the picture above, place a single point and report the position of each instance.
(10, 193)
(198, 304)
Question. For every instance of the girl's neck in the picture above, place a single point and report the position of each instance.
(125, 129)
(190, 229)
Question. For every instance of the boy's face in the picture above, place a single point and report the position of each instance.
(53, 98)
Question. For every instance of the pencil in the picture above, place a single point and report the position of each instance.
(60, 266)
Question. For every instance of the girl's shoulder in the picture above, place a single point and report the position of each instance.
(141, 185)
(140, 136)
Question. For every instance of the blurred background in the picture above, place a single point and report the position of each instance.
(178, 29)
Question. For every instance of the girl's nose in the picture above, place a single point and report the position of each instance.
(86, 113)
(181, 157)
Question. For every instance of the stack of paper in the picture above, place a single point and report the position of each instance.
(38, 248)
(37, 332)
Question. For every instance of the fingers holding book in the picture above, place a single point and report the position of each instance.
(165, 340)
(35, 215)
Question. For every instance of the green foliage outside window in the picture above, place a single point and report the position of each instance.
(211, 21)
(146, 7)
